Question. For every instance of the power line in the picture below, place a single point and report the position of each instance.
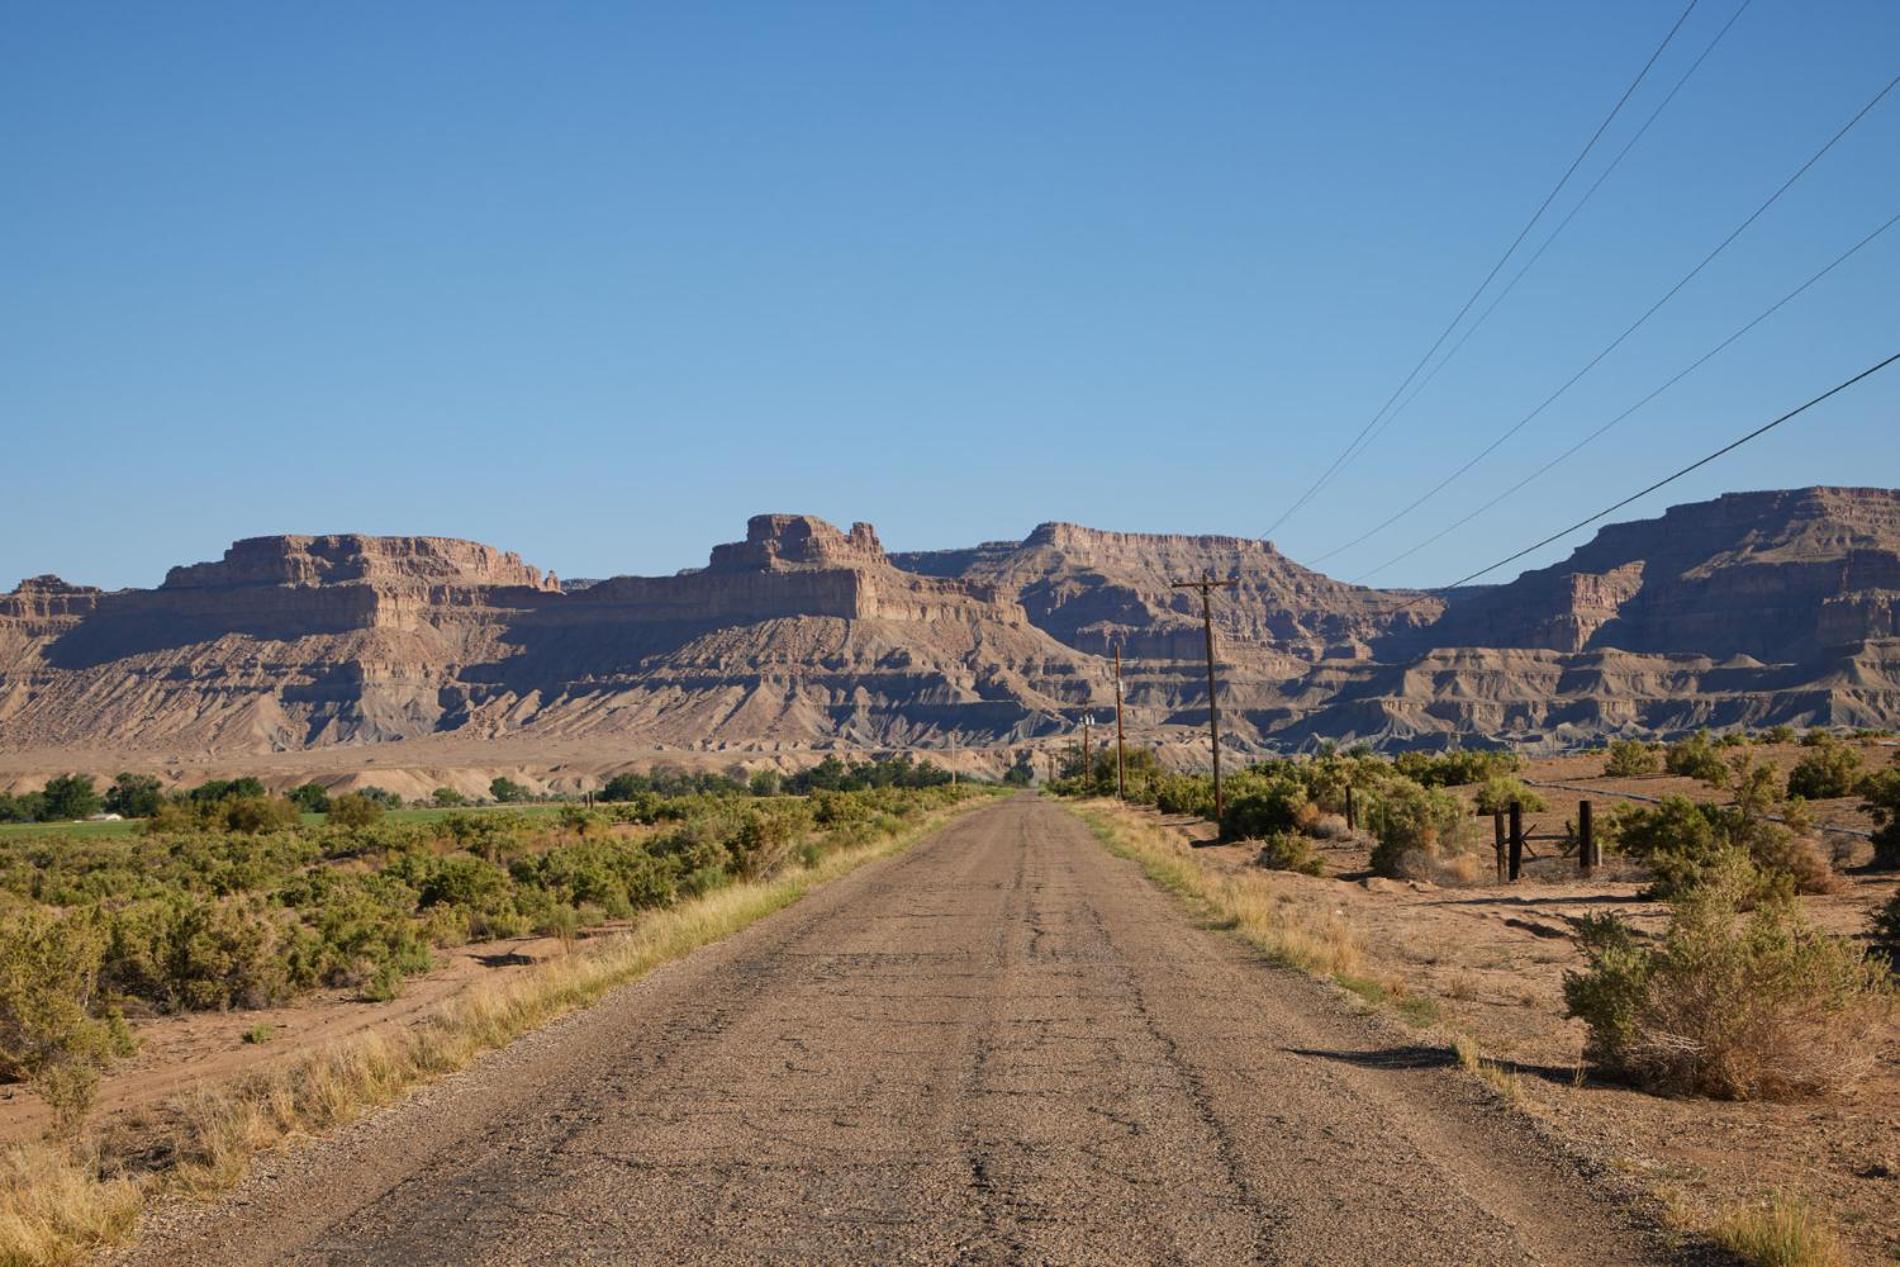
(1730, 447)
(1567, 454)
(1346, 454)
(1618, 341)
(1563, 224)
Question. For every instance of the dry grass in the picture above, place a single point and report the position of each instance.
(1780, 1232)
(1295, 929)
(1498, 1077)
(57, 1203)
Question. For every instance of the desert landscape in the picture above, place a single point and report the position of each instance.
(895, 635)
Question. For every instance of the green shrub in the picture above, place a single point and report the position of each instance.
(1457, 767)
(1882, 793)
(1497, 793)
(507, 791)
(1629, 758)
(1758, 1007)
(1415, 824)
(354, 809)
(1289, 851)
(1826, 770)
(54, 1032)
(1259, 806)
(1697, 757)
(134, 796)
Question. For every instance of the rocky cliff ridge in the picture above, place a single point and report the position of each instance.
(1753, 608)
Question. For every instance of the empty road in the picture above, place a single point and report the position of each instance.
(1003, 1046)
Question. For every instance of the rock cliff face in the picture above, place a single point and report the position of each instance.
(1752, 609)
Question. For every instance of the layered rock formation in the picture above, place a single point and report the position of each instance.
(1751, 609)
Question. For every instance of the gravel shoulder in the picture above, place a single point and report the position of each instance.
(1001, 1046)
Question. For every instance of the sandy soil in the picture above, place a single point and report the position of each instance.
(1003, 1046)
(1492, 960)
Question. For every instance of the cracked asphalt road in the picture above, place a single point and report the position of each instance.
(1002, 1046)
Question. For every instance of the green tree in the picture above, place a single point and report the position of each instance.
(311, 798)
(1883, 802)
(134, 796)
(765, 783)
(69, 797)
(507, 791)
(447, 797)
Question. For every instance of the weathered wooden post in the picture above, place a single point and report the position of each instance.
(1497, 823)
(1517, 840)
(1352, 811)
(1586, 839)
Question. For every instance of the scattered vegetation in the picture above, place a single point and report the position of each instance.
(1882, 793)
(1697, 757)
(1629, 758)
(58, 1200)
(230, 899)
(1739, 1006)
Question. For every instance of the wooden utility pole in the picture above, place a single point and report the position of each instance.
(1121, 758)
(1088, 770)
(1207, 585)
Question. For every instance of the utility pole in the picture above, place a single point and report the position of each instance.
(1207, 585)
(1088, 773)
(1121, 758)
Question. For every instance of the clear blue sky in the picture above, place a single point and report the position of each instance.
(596, 281)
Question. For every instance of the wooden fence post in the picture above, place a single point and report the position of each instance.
(1586, 838)
(1352, 811)
(1517, 840)
(1497, 822)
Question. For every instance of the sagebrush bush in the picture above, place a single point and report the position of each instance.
(1629, 758)
(1731, 1006)
(1824, 771)
(55, 1034)
(1697, 757)
(1409, 819)
(1882, 793)
(1260, 806)
(1496, 793)
(1289, 851)
(1682, 841)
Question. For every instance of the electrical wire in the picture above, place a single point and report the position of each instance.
(1567, 454)
(1347, 453)
(1618, 341)
(1730, 447)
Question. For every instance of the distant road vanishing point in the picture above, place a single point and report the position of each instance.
(1003, 1046)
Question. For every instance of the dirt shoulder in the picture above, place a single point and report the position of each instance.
(1489, 960)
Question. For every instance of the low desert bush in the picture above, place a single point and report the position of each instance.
(1629, 758)
(1456, 767)
(1825, 770)
(1416, 827)
(1727, 1005)
(1289, 851)
(1258, 806)
(1497, 792)
(1681, 841)
(1882, 793)
(1697, 757)
(55, 1034)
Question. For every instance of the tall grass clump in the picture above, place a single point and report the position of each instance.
(1730, 1004)
(1781, 1232)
